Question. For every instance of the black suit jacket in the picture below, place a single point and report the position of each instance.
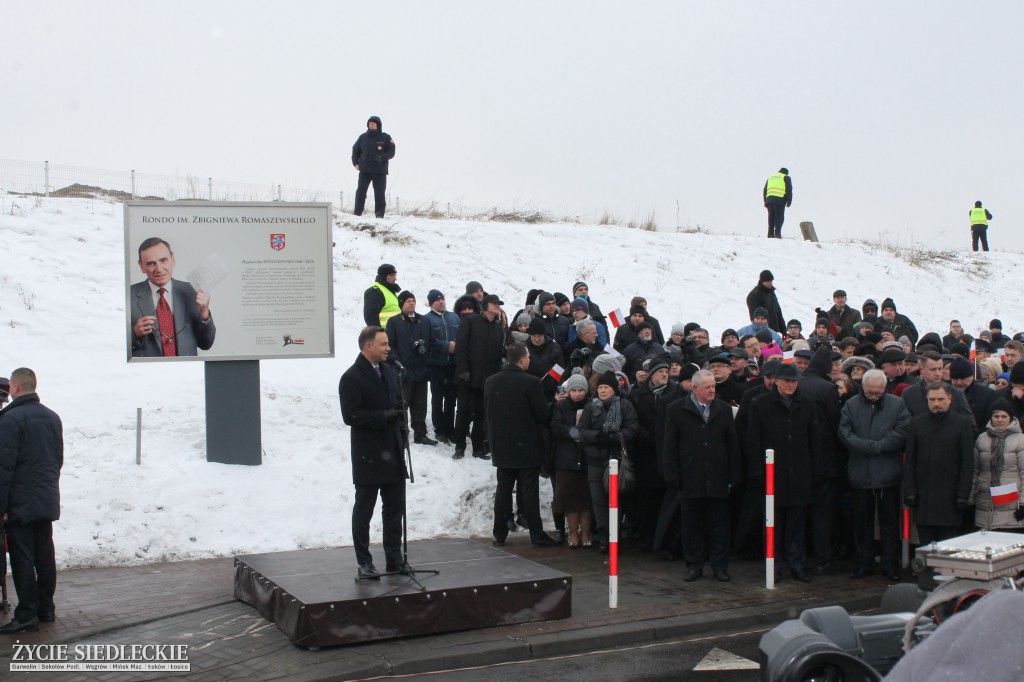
(190, 332)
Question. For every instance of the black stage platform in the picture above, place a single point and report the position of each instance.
(312, 595)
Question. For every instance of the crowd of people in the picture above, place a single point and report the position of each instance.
(865, 414)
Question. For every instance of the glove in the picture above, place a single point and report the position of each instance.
(464, 377)
(961, 504)
(1019, 514)
(392, 415)
(911, 501)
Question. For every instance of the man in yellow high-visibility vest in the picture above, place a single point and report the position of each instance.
(778, 194)
(979, 226)
(380, 301)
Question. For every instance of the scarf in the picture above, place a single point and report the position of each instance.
(998, 437)
(610, 412)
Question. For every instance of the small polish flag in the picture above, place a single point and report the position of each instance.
(1004, 494)
(616, 318)
(556, 372)
(788, 354)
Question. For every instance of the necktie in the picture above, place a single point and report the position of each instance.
(165, 318)
(376, 368)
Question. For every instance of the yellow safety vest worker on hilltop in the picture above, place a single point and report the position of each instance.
(979, 226)
(778, 194)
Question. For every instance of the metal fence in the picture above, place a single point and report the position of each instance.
(60, 180)
(45, 178)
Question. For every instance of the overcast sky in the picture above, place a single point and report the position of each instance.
(892, 117)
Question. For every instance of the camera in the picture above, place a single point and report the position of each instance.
(421, 346)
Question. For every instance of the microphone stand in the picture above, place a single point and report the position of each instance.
(405, 569)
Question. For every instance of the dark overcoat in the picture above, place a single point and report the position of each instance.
(31, 457)
(939, 466)
(703, 459)
(793, 433)
(517, 415)
(377, 453)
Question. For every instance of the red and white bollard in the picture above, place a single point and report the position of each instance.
(613, 533)
(769, 519)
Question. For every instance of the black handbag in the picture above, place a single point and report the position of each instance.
(627, 472)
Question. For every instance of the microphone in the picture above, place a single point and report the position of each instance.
(400, 366)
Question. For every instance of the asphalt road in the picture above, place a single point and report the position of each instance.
(671, 660)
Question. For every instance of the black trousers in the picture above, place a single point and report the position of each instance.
(706, 523)
(33, 567)
(822, 512)
(930, 534)
(414, 393)
(979, 232)
(527, 482)
(392, 498)
(471, 409)
(776, 216)
(380, 183)
(791, 536)
(887, 502)
(443, 393)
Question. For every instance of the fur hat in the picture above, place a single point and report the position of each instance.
(608, 379)
(536, 326)
(856, 361)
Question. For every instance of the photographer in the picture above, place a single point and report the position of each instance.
(409, 336)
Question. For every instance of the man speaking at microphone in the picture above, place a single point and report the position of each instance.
(370, 396)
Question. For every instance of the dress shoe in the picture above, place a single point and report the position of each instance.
(460, 452)
(693, 574)
(722, 576)
(521, 522)
(860, 572)
(800, 575)
(560, 537)
(367, 572)
(402, 568)
(890, 573)
(47, 617)
(424, 440)
(824, 569)
(544, 540)
(498, 543)
(16, 626)
(481, 454)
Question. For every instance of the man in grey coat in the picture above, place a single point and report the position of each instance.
(873, 427)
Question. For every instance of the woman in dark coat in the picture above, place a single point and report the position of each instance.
(572, 492)
(608, 424)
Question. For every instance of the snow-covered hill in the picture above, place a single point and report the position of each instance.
(61, 313)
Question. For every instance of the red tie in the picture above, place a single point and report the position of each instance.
(165, 318)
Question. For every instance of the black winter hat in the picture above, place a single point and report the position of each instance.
(787, 372)
(869, 303)
(658, 362)
(760, 311)
(577, 285)
(873, 337)
(433, 295)
(637, 310)
(960, 348)
(891, 355)
(542, 299)
(608, 379)
(764, 336)
(386, 269)
(537, 326)
(889, 303)
(560, 298)
(822, 361)
(821, 322)
(729, 332)
(644, 325)
(690, 326)
(405, 296)
(687, 371)
(766, 276)
(960, 369)
(838, 292)
(995, 324)
(1017, 373)
(1002, 405)
(473, 286)
(983, 346)
(794, 322)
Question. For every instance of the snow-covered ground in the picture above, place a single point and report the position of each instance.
(61, 313)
